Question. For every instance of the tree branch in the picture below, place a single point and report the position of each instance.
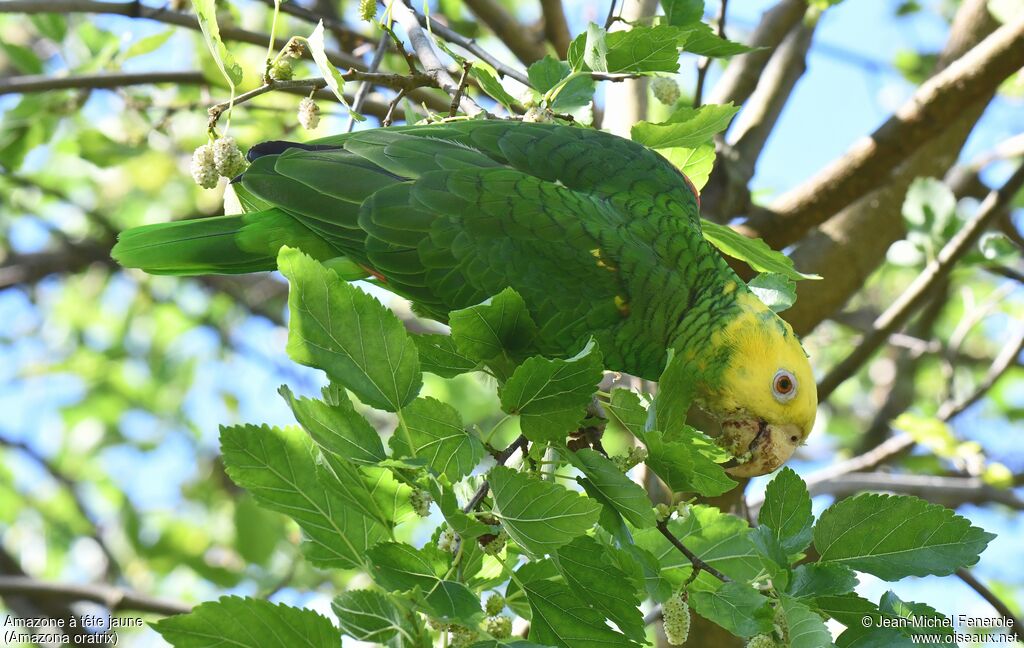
(519, 39)
(113, 598)
(501, 458)
(938, 102)
(997, 604)
(694, 559)
(915, 295)
(432, 65)
(471, 46)
(106, 80)
(556, 29)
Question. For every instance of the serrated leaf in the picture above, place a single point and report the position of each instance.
(206, 12)
(449, 601)
(466, 526)
(338, 430)
(336, 512)
(560, 618)
(643, 49)
(675, 395)
(147, 44)
(546, 73)
(626, 410)
(627, 497)
(500, 328)
(398, 567)
(805, 628)
(735, 606)
(719, 539)
(814, 579)
(352, 337)
(693, 162)
(683, 467)
(435, 432)
(317, 49)
(753, 251)
(439, 355)
(253, 623)
(493, 643)
(895, 536)
(776, 291)
(586, 568)
(686, 127)
(787, 511)
(539, 515)
(367, 616)
(699, 39)
(551, 395)
(489, 83)
(595, 49)
(683, 12)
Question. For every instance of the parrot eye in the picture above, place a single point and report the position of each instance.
(784, 386)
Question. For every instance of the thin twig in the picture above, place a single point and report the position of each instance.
(698, 564)
(463, 80)
(114, 598)
(1002, 608)
(1007, 358)
(500, 457)
(520, 39)
(364, 87)
(705, 62)
(471, 46)
(915, 295)
(389, 117)
(424, 50)
(102, 81)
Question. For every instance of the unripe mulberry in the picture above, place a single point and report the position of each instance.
(499, 627)
(227, 158)
(537, 115)
(493, 544)
(309, 113)
(447, 541)
(761, 641)
(494, 605)
(204, 171)
(282, 70)
(421, 501)
(665, 90)
(367, 10)
(627, 462)
(461, 637)
(663, 511)
(676, 618)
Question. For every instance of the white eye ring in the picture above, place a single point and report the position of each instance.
(784, 386)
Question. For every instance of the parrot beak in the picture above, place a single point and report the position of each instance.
(759, 447)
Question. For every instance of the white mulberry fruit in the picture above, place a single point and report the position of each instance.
(447, 541)
(282, 70)
(421, 501)
(494, 605)
(676, 618)
(461, 637)
(493, 544)
(204, 171)
(227, 158)
(309, 114)
(665, 90)
(761, 641)
(499, 626)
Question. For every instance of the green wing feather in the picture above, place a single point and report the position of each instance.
(594, 231)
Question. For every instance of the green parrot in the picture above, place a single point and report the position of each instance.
(599, 235)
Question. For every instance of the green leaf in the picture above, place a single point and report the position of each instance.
(489, 83)
(466, 526)
(340, 329)
(335, 81)
(147, 44)
(735, 606)
(929, 206)
(586, 567)
(499, 329)
(338, 430)
(595, 50)
(675, 395)
(683, 12)
(806, 629)
(719, 539)
(683, 467)
(206, 12)
(776, 291)
(694, 162)
(336, 512)
(551, 396)
(540, 516)
(435, 432)
(399, 567)
(753, 251)
(701, 40)
(253, 623)
(643, 49)
(51, 25)
(787, 511)
(449, 601)
(546, 73)
(257, 530)
(888, 622)
(560, 618)
(493, 643)
(627, 497)
(686, 127)
(814, 579)
(439, 355)
(367, 616)
(23, 58)
(894, 537)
